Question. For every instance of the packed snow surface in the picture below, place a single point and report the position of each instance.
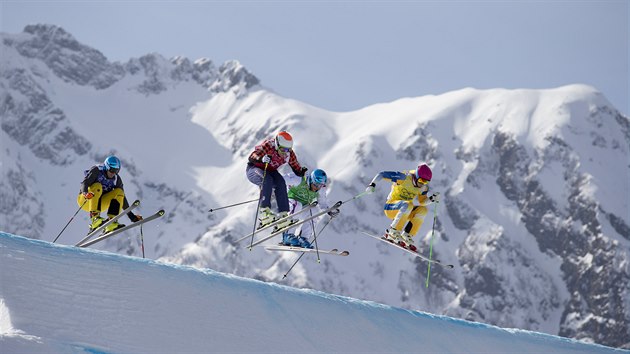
(63, 299)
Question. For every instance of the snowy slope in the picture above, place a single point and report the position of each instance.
(536, 189)
(61, 299)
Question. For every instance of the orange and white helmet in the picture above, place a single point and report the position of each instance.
(284, 140)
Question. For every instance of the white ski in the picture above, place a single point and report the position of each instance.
(333, 251)
(122, 229)
(434, 261)
(276, 222)
(102, 227)
(280, 231)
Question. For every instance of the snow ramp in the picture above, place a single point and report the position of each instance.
(62, 299)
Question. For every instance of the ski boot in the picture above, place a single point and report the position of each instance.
(392, 235)
(95, 220)
(289, 239)
(407, 241)
(113, 226)
(286, 222)
(266, 217)
(304, 242)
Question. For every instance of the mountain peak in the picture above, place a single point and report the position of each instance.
(47, 31)
(65, 56)
(83, 65)
(232, 74)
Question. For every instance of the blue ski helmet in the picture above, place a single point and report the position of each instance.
(318, 177)
(112, 163)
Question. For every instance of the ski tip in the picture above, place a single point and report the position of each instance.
(136, 202)
(450, 266)
(345, 253)
(161, 212)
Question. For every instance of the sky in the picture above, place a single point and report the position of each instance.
(345, 55)
(61, 299)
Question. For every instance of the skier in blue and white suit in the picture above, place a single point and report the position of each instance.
(303, 191)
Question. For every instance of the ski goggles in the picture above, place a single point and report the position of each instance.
(423, 181)
(318, 185)
(284, 150)
(114, 170)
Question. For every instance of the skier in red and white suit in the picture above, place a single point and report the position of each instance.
(262, 170)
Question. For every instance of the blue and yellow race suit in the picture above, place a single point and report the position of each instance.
(399, 206)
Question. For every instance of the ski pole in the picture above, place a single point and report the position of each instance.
(294, 263)
(431, 247)
(303, 253)
(315, 239)
(319, 233)
(251, 244)
(356, 197)
(142, 241)
(72, 218)
(232, 205)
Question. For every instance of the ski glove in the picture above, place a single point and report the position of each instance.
(137, 217)
(435, 197)
(371, 188)
(88, 195)
(266, 159)
(333, 213)
(301, 172)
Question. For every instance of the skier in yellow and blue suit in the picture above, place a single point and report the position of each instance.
(407, 218)
(102, 189)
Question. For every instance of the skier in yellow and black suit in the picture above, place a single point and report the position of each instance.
(406, 186)
(102, 189)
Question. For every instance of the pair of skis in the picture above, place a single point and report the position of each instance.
(281, 247)
(276, 222)
(278, 231)
(336, 252)
(300, 222)
(85, 242)
(282, 230)
(432, 261)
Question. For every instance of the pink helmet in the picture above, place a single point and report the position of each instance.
(424, 172)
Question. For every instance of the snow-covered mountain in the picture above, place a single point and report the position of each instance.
(89, 301)
(535, 213)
